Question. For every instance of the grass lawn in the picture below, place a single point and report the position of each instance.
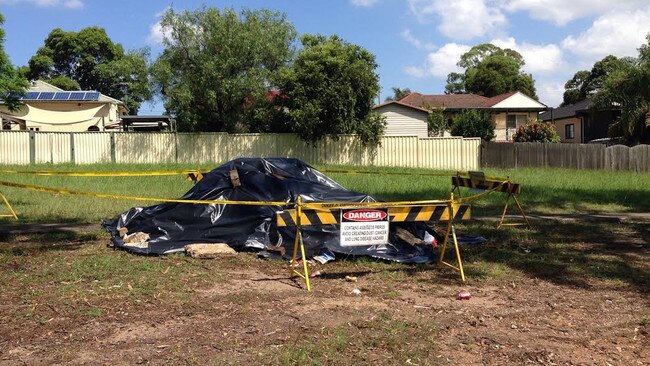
(544, 190)
(560, 293)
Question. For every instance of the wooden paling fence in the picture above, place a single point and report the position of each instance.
(577, 156)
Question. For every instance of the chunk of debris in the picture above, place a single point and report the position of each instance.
(137, 239)
(208, 250)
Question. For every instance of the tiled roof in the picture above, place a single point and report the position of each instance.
(453, 101)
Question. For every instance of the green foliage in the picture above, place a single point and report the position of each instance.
(217, 64)
(437, 122)
(490, 71)
(64, 83)
(330, 90)
(91, 59)
(586, 83)
(628, 87)
(472, 123)
(398, 93)
(12, 84)
(536, 131)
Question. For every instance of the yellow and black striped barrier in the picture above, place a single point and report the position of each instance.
(478, 180)
(325, 216)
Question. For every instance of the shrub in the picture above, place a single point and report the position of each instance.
(437, 122)
(471, 123)
(536, 131)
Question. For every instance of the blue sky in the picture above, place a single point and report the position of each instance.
(416, 42)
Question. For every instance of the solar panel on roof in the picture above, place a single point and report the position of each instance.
(61, 96)
(92, 96)
(77, 95)
(46, 96)
(31, 95)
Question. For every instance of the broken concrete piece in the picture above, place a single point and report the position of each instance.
(122, 232)
(138, 240)
(208, 250)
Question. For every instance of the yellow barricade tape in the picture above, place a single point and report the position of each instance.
(100, 174)
(378, 172)
(138, 198)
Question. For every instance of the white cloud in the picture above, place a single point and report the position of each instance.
(439, 63)
(71, 4)
(406, 34)
(156, 32)
(460, 19)
(550, 92)
(363, 3)
(617, 33)
(540, 59)
(562, 12)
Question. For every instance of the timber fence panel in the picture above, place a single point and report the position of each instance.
(53, 147)
(591, 156)
(640, 158)
(498, 155)
(562, 156)
(92, 147)
(398, 151)
(617, 157)
(530, 154)
(14, 147)
(147, 147)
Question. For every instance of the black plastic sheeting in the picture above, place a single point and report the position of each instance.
(171, 226)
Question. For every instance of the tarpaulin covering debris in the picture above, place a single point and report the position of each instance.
(171, 226)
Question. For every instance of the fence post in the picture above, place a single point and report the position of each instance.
(32, 147)
(112, 142)
(176, 147)
(72, 159)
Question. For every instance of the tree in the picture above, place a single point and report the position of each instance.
(536, 131)
(217, 65)
(398, 93)
(330, 90)
(471, 123)
(586, 83)
(436, 121)
(490, 71)
(89, 60)
(12, 84)
(628, 88)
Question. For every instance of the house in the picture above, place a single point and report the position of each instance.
(48, 108)
(579, 123)
(146, 123)
(407, 116)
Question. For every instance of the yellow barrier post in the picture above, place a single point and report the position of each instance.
(505, 209)
(12, 213)
(299, 243)
(451, 230)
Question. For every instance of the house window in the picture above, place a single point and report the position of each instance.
(34, 129)
(569, 131)
(511, 121)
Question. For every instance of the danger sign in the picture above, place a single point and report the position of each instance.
(364, 227)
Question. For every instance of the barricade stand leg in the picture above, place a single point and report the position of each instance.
(503, 214)
(299, 243)
(12, 213)
(521, 211)
(505, 208)
(451, 230)
(458, 260)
